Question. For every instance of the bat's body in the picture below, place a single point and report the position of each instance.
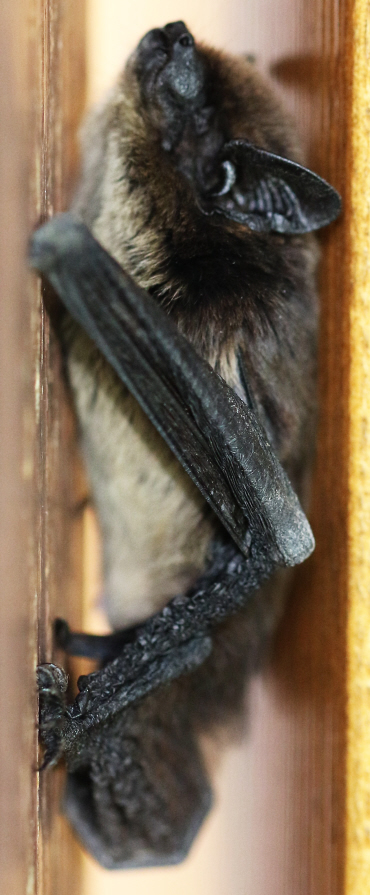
(186, 184)
(238, 300)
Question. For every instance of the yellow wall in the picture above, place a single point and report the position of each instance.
(358, 759)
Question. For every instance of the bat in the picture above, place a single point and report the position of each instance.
(186, 269)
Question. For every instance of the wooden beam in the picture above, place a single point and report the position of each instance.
(42, 94)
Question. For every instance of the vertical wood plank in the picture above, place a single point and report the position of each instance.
(41, 98)
(16, 716)
(57, 94)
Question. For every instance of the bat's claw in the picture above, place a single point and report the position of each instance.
(52, 685)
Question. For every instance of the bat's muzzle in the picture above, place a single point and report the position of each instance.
(172, 53)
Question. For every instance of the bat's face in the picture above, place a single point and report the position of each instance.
(210, 117)
(193, 100)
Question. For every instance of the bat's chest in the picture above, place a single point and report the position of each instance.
(154, 523)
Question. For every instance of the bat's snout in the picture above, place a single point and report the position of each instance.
(170, 56)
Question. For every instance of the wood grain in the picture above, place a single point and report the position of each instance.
(41, 99)
(57, 95)
(301, 723)
(17, 718)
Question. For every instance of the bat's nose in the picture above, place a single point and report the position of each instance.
(165, 39)
(178, 33)
(171, 55)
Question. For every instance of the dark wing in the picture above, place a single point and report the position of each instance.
(137, 789)
(267, 192)
(217, 439)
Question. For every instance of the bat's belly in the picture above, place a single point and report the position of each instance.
(155, 525)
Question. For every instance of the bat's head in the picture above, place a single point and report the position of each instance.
(224, 132)
(193, 181)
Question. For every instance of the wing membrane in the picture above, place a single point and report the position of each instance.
(217, 439)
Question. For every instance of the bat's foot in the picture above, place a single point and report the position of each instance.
(101, 647)
(52, 683)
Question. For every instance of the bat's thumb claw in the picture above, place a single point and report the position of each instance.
(52, 241)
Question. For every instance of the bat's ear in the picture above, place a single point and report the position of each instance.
(266, 192)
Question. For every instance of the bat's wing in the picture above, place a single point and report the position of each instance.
(218, 440)
(137, 789)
